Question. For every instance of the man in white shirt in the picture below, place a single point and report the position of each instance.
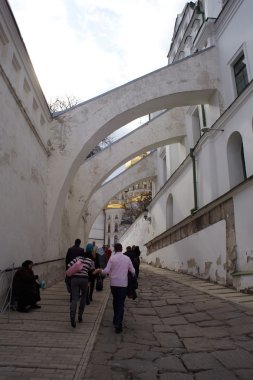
(117, 268)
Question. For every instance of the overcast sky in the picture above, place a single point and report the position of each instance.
(84, 48)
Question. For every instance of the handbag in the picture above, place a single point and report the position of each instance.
(76, 267)
(99, 283)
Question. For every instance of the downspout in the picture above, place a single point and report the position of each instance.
(195, 191)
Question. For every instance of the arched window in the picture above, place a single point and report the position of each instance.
(109, 228)
(236, 161)
(116, 217)
(169, 212)
(116, 229)
(115, 239)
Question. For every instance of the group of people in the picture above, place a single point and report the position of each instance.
(96, 264)
(134, 255)
(81, 285)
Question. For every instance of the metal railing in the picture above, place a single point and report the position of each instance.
(6, 280)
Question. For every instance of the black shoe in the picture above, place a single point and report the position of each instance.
(80, 318)
(118, 329)
(22, 310)
(35, 306)
(73, 323)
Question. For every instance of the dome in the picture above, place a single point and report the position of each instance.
(114, 204)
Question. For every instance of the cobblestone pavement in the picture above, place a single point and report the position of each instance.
(179, 328)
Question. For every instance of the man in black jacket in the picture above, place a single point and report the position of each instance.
(72, 253)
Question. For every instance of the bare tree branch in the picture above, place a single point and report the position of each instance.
(64, 103)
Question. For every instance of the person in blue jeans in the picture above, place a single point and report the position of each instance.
(117, 268)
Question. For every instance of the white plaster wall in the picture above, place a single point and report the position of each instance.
(207, 161)
(211, 153)
(183, 201)
(175, 153)
(194, 254)
(212, 7)
(243, 209)
(23, 176)
(160, 169)
(97, 231)
(230, 40)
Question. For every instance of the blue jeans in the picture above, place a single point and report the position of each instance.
(119, 295)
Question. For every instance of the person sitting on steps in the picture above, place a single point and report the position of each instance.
(25, 288)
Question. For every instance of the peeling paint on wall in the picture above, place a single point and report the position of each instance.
(218, 261)
(191, 263)
(208, 265)
(35, 175)
(157, 262)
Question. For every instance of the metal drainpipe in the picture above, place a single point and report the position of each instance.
(195, 191)
(104, 225)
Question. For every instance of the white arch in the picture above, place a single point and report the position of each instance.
(74, 133)
(167, 128)
(235, 157)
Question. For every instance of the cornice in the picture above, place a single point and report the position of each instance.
(225, 16)
(18, 42)
(206, 208)
(23, 111)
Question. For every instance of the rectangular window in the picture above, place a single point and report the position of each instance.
(240, 73)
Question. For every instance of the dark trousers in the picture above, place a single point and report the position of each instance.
(79, 287)
(119, 296)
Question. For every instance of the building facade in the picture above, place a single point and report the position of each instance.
(199, 133)
(204, 183)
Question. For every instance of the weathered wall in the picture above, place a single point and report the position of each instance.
(243, 208)
(202, 254)
(23, 177)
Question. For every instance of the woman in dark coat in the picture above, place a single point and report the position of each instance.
(25, 289)
(136, 254)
